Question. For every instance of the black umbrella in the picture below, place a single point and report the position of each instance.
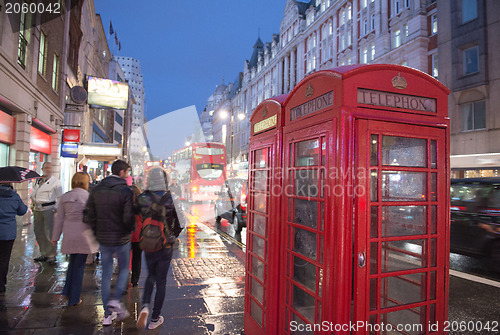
(16, 174)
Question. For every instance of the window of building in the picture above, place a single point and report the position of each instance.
(473, 115)
(55, 72)
(23, 39)
(397, 7)
(434, 24)
(406, 33)
(118, 137)
(349, 38)
(119, 119)
(42, 54)
(469, 10)
(342, 17)
(364, 55)
(372, 52)
(407, 3)
(471, 60)
(349, 12)
(434, 58)
(342, 41)
(365, 26)
(372, 21)
(363, 3)
(396, 38)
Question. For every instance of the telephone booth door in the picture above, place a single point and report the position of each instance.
(308, 155)
(400, 260)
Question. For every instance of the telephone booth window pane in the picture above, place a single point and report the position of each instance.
(403, 186)
(306, 183)
(322, 219)
(304, 273)
(258, 268)
(404, 151)
(320, 282)
(305, 243)
(260, 202)
(373, 294)
(300, 324)
(374, 258)
(323, 186)
(374, 150)
(259, 246)
(257, 290)
(403, 255)
(404, 220)
(306, 213)
(433, 186)
(374, 222)
(374, 186)
(290, 201)
(432, 314)
(433, 219)
(433, 286)
(321, 248)
(261, 158)
(414, 318)
(433, 154)
(256, 312)
(259, 224)
(307, 153)
(260, 180)
(303, 303)
(403, 290)
(323, 151)
(433, 252)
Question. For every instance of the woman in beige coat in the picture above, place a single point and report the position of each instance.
(78, 239)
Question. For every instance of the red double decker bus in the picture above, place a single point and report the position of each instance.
(200, 169)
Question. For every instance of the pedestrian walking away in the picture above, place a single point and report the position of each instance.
(158, 262)
(78, 238)
(136, 250)
(44, 200)
(10, 206)
(110, 214)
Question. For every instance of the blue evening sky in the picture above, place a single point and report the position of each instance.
(187, 47)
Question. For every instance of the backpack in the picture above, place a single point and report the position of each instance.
(155, 234)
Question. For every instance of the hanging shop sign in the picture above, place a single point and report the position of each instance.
(69, 150)
(7, 128)
(40, 141)
(71, 135)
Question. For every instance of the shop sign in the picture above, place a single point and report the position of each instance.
(7, 128)
(98, 150)
(40, 141)
(71, 135)
(312, 106)
(396, 100)
(265, 124)
(69, 150)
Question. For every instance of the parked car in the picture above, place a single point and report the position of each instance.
(475, 218)
(231, 203)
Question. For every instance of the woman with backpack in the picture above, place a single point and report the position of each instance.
(156, 206)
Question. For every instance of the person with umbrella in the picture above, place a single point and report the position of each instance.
(45, 196)
(10, 206)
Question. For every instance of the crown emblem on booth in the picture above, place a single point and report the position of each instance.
(264, 112)
(399, 82)
(309, 91)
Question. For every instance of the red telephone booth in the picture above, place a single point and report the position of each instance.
(263, 215)
(363, 240)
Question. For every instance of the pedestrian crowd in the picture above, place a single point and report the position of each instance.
(114, 220)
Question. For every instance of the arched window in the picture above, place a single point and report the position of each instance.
(342, 17)
(349, 12)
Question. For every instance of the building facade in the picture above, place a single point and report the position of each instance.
(468, 39)
(137, 143)
(322, 34)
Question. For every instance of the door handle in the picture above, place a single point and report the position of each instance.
(361, 259)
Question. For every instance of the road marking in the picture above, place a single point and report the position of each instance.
(475, 278)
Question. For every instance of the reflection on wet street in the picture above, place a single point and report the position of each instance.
(205, 288)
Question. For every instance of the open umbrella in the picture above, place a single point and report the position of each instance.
(16, 174)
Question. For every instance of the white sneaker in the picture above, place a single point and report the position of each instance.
(108, 320)
(143, 318)
(156, 324)
(119, 308)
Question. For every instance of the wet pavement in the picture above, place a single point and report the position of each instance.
(205, 291)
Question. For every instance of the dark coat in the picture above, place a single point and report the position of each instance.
(146, 198)
(109, 211)
(10, 206)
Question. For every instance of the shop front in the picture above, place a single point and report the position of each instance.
(96, 158)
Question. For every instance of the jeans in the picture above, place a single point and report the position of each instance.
(5, 251)
(136, 263)
(42, 226)
(123, 254)
(158, 264)
(74, 278)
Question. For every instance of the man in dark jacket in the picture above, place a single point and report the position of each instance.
(110, 214)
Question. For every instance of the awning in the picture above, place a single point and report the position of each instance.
(99, 152)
